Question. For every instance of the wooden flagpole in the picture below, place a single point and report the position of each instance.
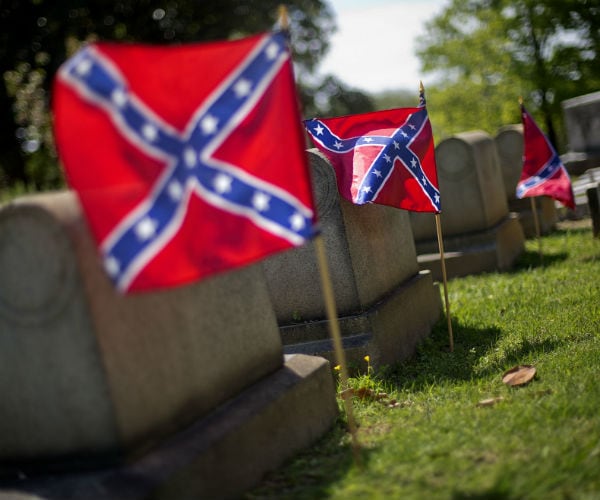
(330, 308)
(438, 226)
(536, 222)
(334, 328)
(284, 20)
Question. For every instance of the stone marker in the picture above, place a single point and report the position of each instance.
(385, 305)
(478, 231)
(593, 196)
(509, 145)
(582, 120)
(588, 180)
(89, 376)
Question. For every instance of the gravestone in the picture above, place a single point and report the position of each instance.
(124, 383)
(586, 181)
(510, 148)
(479, 233)
(593, 196)
(385, 305)
(582, 121)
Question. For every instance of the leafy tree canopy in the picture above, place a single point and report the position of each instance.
(36, 36)
(484, 54)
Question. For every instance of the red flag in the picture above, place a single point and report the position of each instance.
(188, 160)
(384, 157)
(543, 172)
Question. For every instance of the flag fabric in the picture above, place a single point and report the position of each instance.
(384, 157)
(543, 172)
(188, 160)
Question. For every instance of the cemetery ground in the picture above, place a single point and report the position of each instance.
(444, 425)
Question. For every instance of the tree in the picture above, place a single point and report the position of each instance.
(36, 36)
(486, 53)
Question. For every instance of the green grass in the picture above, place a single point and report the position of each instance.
(541, 441)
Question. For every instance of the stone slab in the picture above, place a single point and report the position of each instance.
(471, 187)
(593, 196)
(582, 123)
(369, 250)
(219, 456)
(547, 213)
(86, 371)
(484, 251)
(582, 120)
(510, 147)
(388, 332)
(371, 258)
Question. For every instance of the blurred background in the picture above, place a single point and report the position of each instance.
(475, 57)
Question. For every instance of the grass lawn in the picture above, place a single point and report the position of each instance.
(429, 438)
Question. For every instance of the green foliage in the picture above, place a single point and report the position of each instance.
(537, 441)
(36, 36)
(397, 99)
(486, 53)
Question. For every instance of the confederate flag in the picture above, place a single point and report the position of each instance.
(188, 160)
(385, 157)
(543, 172)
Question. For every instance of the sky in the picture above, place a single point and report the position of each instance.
(374, 47)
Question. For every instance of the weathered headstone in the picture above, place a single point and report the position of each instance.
(88, 375)
(479, 233)
(593, 196)
(582, 120)
(587, 180)
(509, 145)
(386, 306)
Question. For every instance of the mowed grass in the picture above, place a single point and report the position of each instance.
(431, 439)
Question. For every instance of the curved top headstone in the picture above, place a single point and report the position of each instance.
(471, 187)
(370, 251)
(509, 145)
(85, 370)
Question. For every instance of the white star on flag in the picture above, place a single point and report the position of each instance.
(260, 201)
(242, 88)
(222, 183)
(209, 124)
(146, 228)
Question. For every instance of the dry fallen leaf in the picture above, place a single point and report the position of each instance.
(519, 375)
(490, 401)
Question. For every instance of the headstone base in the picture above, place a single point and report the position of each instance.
(493, 249)
(546, 212)
(577, 163)
(221, 455)
(388, 332)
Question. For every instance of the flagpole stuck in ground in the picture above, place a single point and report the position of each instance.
(536, 222)
(334, 328)
(330, 308)
(438, 226)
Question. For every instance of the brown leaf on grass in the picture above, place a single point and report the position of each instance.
(490, 401)
(346, 393)
(364, 393)
(519, 375)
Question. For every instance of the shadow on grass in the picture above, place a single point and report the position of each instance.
(494, 493)
(434, 363)
(312, 472)
(531, 260)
